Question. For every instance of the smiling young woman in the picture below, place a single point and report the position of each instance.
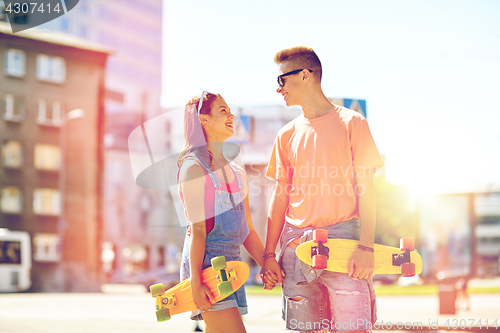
(214, 192)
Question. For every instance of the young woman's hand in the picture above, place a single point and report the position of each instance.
(269, 279)
(271, 273)
(202, 297)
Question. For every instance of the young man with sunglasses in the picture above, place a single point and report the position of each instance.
(323, 163)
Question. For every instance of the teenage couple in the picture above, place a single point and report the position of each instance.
(308, 195)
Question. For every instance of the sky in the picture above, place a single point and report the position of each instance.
(428, 69)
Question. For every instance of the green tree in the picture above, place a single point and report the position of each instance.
(397, 213)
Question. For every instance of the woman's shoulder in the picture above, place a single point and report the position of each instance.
(190, 170)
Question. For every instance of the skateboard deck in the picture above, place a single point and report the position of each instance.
(388, 259)
(178, 299)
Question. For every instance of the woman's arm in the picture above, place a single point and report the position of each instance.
(192, 181)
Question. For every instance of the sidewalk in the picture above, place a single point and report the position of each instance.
(134, 312)
(411, 312)
(404, 313)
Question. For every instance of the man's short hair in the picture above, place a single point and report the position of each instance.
(300, 57)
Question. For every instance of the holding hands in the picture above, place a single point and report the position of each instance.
(271, 273)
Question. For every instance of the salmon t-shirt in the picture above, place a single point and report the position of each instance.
(319, 158)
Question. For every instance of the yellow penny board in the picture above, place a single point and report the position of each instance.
(178, 299)
(341, 251)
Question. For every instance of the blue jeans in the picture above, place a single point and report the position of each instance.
(316, 300)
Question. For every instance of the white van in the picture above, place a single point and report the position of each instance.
(15, 261)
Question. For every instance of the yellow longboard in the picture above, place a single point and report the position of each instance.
(222, 279)
(388, 259)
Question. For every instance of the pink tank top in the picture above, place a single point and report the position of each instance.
(210, 199)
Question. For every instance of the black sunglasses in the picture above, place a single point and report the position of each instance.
(280, 77)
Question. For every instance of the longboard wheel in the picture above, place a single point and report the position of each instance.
(157, 289)
(163, 314)
(219, 263)
(320, 235)
(319, 262)
(407, 243)
(408, 269)
(225, 288)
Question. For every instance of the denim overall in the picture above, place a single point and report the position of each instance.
(229, 232)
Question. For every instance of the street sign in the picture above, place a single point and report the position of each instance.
(241, 130)
(358, 105)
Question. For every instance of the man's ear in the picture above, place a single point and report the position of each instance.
(306, 75)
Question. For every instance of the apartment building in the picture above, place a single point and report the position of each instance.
(52, 158)
(137, 237)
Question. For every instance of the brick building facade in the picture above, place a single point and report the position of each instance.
(45, 76)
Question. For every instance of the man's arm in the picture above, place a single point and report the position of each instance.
(362, 262)
(275, 223)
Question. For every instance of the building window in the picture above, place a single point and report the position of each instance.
(57, 112)
(50, 69)
(15, 62)
(11, 200)
(47, 157)
(46, 247)
(12, 154)
(13, 107)
(42, 110)
(46, 201)
(50, 114)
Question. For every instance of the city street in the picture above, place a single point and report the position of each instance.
(132, 310)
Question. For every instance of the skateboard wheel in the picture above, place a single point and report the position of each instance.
(408, 269)
(407, 243)
(319, 262)
(225, 288)
(157, 289)
(163, 314)
(320, 235)
(219, 263)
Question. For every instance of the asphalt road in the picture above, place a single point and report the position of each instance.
(132, 310)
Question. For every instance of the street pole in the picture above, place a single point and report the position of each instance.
(62, 225)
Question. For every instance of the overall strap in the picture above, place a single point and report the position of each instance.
(239, 175)
(194, 156)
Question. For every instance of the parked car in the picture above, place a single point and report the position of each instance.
(147, 278)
